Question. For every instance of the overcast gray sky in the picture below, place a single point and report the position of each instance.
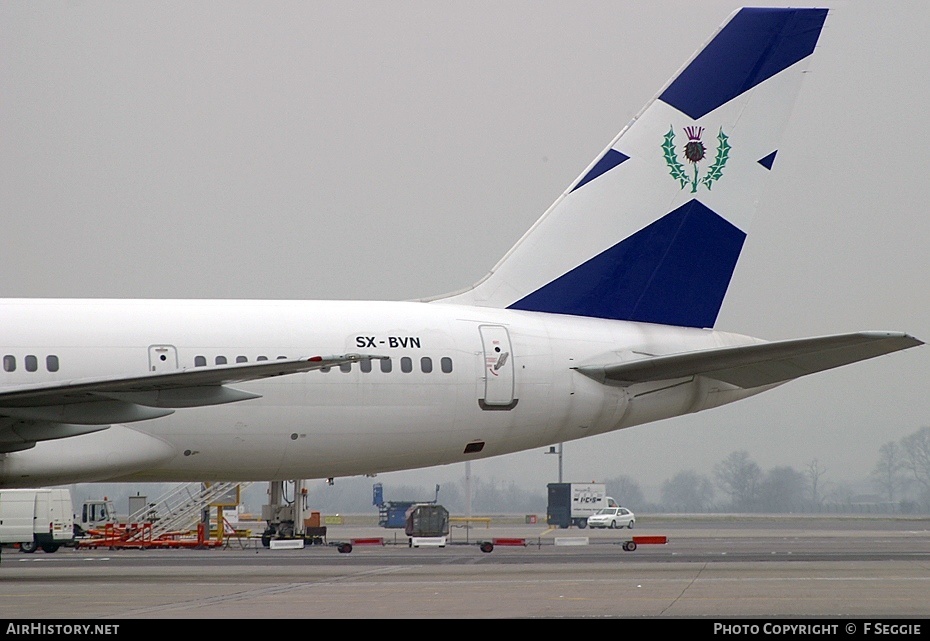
(393, 150)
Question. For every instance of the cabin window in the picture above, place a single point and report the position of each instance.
(325, 369)
(32, 363)
(365, 365)
(242, 359)
(9, 363)
(345, 367)
(220, 360)
(51, 363)
(445, 364)
(386, 365)
(282, 358)
(200, 361)
(426, 364)
(406, 365)
(262, 358)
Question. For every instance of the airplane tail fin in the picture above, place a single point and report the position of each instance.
(651, 231)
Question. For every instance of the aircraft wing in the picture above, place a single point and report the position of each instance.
(46, 411)
(749, 366)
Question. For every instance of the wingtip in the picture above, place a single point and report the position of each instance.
(902, 336)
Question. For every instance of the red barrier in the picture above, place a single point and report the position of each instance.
(650, 540)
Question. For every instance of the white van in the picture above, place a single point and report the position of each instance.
(36, 518)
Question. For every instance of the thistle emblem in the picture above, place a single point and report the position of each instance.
(695, 152)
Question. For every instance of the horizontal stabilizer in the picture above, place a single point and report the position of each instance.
(749, 366)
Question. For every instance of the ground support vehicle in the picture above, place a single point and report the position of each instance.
(572, 503)
(36, 518)
(632, 544)
(120, 536)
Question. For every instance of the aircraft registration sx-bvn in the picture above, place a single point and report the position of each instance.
(599, 318)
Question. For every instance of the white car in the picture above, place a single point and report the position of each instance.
(612, 517)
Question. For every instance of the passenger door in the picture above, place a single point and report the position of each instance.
(498, 368)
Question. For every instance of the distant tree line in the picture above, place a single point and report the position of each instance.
(901, 479)
(903, 469)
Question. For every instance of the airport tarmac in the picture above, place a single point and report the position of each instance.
(779, 567)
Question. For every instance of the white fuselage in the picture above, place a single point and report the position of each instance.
(464, 383)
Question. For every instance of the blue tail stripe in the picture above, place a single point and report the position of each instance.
(607, 162)
(675, 271)
(753, 46)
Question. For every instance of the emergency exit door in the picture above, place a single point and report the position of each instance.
(163, 358)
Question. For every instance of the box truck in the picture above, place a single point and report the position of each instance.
(573, 503)
(36, 518)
